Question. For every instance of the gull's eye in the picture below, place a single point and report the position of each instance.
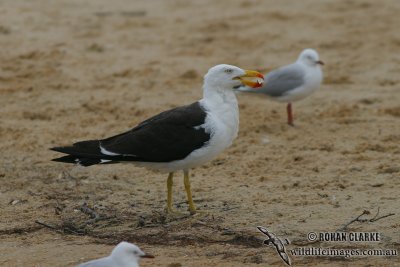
(135, 252)
(228, 70)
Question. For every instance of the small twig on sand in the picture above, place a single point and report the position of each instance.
(65, 230)
(344, 227)
(378, 218)
(358, 219)
(94, 217)
(48, 226)
(229, 208)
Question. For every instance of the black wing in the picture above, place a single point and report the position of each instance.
(171, 135)
(168, 136)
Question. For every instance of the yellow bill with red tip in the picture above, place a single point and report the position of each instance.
(252, 78)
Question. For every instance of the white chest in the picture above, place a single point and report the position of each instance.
(222, 122)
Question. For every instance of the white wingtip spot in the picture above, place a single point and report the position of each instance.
(106, 152)
(198, 127)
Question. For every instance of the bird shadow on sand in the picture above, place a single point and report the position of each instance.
(157, 228)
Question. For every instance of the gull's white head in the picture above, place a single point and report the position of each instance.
(127, 254)
(225, 76)
(310, 57)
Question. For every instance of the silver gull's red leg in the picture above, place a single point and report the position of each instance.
(290, 114)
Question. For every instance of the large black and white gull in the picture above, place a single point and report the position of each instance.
(177, 139)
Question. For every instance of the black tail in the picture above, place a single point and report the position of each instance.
(85, 153)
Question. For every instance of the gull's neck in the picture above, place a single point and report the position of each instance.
(217, 95)
(312, 75)
(223, 113)
(222, 105)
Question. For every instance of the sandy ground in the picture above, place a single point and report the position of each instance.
(73, 70)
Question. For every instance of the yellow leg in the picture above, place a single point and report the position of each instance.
(186, 181)
(170, 210)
